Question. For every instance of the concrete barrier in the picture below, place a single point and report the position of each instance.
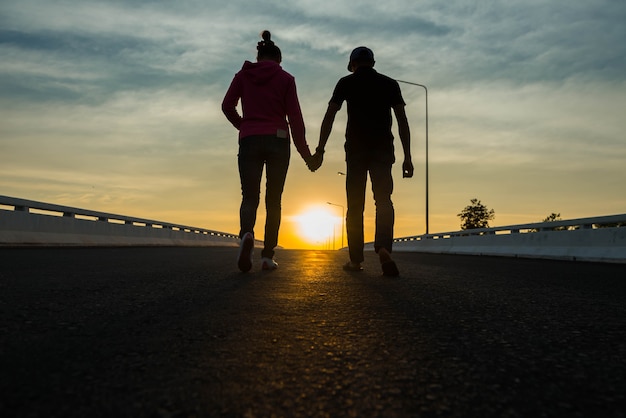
(587, 239)
(30, 223)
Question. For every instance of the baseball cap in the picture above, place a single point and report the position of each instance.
(360, 53)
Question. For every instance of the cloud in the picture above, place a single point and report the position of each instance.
(127, 94)
(540, 41)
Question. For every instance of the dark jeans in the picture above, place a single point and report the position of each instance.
(254, 153)
(382, 186)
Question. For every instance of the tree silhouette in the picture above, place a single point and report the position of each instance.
(476, 215)
(553, 217)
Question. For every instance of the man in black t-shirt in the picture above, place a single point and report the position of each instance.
(370, 98)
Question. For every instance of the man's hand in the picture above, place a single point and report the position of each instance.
(407, 168)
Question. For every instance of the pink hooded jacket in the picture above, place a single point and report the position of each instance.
(268, 99)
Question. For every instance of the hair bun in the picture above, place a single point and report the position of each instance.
(266, 42)
(267, 49)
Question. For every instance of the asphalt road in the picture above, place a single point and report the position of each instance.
(179, 332)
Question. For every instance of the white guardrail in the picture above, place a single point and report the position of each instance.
(29, 223)
(601, 239)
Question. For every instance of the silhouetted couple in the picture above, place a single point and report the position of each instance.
(271, 112)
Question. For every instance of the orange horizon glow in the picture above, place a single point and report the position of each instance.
(315, 227)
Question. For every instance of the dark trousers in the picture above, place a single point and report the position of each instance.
(255, 152)
(382, 186)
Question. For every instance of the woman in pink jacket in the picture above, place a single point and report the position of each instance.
(271, 110)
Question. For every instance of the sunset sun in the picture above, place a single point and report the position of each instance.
(317, 225)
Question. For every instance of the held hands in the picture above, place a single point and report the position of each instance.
(315, 161)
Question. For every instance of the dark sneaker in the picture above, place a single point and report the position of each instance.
(350, 266)
(244, 261)
(390, 269)
(387, 264)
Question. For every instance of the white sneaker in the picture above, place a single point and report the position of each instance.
(268, 264)
(246, 249)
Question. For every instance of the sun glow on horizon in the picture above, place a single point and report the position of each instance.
(317, 225)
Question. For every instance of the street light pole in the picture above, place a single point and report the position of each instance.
(343, 219)
(426, 90)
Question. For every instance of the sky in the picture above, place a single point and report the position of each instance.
(115, 106)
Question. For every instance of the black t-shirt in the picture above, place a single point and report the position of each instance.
(370, 97)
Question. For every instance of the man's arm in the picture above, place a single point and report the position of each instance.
(405, 138)
(327, 125)
(325, 130)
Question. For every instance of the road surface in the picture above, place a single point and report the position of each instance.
(179, 332)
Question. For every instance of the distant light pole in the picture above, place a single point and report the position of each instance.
(343, 219)
(426, 90)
